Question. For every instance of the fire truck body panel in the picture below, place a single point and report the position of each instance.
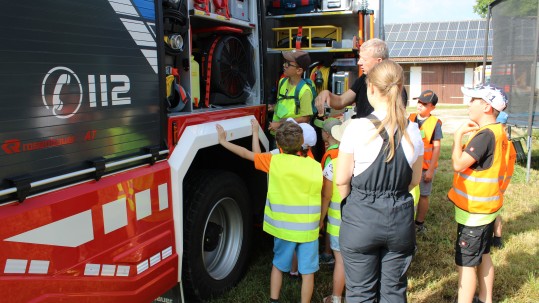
(195, 137)
(119, 237)
(107, 237)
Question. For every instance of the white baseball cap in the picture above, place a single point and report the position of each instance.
(309, 134)
(338, 130)
(490, 94)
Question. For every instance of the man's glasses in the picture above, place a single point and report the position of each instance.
(288, 63)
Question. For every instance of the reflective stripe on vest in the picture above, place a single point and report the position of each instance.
(286, 105)
(291, 209)
(294, 200)
(298, 226)
(334, 210)
(428, 127)
(480, 192)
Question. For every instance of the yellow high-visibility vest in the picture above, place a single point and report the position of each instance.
(480, 191)
(292, 210)
(334, 210)
(427, 131)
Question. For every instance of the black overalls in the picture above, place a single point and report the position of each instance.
(377, 236)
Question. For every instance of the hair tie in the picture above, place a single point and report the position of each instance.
(390, 85)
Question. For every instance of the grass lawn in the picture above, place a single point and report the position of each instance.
(433, 276)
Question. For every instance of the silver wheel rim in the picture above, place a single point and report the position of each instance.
(221, 259)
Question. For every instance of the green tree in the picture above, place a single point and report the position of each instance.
(481, 7)
(521, 8)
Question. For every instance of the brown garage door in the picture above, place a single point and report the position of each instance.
(445, 80)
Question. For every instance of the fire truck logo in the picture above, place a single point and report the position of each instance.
(12, 146)
(61, 92)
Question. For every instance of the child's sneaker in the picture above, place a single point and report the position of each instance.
(476, 300)
(497, 242)
(326, 259)
(420, 229)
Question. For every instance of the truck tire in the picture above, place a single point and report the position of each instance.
(217, 233)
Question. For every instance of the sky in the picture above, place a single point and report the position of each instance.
(405, 11)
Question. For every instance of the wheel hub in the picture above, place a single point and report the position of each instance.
(212, 236)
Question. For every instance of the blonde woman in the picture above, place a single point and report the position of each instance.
(379, 161)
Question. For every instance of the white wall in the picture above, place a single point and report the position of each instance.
(468, 77)
(415, 84)
(468, 82)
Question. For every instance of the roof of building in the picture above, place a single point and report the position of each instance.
(451, 39)
(441, 59)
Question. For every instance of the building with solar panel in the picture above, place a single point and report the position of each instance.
(441, 56)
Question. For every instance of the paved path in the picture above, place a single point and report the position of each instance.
(452, 119)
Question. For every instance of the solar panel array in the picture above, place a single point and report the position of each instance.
(432, 39)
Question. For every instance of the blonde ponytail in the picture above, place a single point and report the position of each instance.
(388, 77)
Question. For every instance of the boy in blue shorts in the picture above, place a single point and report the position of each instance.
(292, 211)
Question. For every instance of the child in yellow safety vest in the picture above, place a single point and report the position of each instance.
(331, 203)
(483, 168)
(431, 133)
(332, 150)
(292, 211)
(309, 140)
(295, 64)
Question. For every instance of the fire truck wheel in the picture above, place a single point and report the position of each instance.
(217, 233)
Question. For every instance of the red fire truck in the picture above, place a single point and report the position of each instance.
(113, 187)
